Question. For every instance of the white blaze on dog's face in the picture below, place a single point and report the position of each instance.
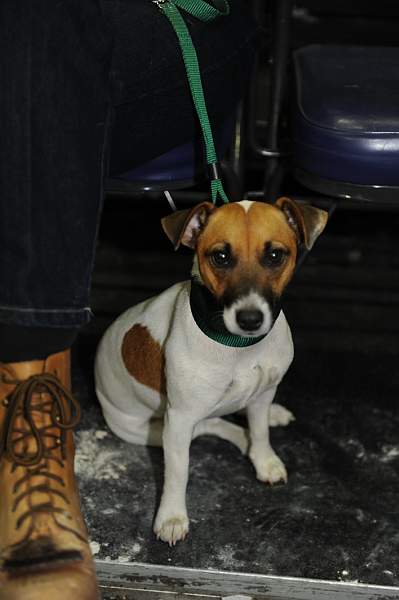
(246, 254)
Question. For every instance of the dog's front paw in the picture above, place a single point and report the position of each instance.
(172, 529)
(280, 416)
(270, 470)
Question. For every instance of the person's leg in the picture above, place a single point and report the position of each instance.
(54, 68)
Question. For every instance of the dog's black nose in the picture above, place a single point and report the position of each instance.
(249, 319)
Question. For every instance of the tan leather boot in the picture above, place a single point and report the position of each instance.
(44, 552)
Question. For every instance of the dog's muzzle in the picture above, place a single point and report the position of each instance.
(250, 315)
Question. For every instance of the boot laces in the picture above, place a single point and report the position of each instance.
(64, 412)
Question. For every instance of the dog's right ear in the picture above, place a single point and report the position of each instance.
(184, 226)
(306, 221)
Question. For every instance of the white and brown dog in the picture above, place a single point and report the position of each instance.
(169, 368)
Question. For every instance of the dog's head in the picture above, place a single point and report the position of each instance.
(246, 254)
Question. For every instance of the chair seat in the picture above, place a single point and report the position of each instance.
(345, 118)
(181, 166)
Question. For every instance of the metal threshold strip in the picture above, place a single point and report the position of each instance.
(141, 581)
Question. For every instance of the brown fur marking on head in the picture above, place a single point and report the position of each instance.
(144, 358)
(246, 233)
(265, 218)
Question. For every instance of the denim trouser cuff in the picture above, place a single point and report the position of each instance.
(33, 317)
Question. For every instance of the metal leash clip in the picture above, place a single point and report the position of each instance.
(159, 3)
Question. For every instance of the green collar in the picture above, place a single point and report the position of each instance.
(208, 317)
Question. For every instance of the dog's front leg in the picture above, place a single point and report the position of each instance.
(171, 522)
(268, 466)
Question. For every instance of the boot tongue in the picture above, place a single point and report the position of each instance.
(56, 364)
(39, 410)
(34, 431)
(13, 374)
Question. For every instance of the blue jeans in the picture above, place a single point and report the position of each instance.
(89, 88)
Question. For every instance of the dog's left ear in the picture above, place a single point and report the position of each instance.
(184, 226)
(307, 221)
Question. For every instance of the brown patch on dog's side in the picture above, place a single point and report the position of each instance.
(144, 358)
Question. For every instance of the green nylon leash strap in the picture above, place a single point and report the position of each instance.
(205, 12)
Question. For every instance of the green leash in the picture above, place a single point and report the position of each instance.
(200, 301)
(205, 12)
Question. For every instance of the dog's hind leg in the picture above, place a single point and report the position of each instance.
(138, 428)
(150, 433)
(224, 429)
(145, 434)
(279, 415)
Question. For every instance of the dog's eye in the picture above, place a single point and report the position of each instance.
(221, 258)
(274, 257)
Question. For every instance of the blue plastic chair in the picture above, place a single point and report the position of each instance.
(345, 121)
